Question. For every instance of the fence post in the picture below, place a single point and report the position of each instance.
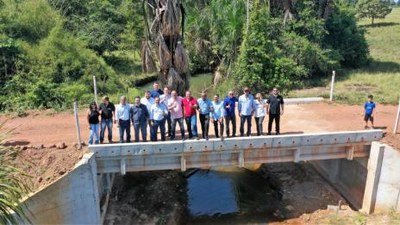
(396, 124)
(332, 85)
(78, 128)
(95, 88)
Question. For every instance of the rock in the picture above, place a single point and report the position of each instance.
(41, 146)
(40, 179)
(52, 146)
(62, 172)
(23, 148)
(143, 216)
(61, 145)
(289, 208)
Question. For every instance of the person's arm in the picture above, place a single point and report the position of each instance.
(239, 107)
(282, 106)
(88, 116)
(211, 107)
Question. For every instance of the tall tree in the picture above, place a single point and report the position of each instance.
(373, 9)
(165, 20)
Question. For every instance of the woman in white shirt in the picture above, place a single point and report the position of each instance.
(259, 113)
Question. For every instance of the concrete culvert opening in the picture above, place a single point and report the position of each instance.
(263, 194)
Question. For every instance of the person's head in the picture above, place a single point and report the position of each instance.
(174, 94)
(137, 100)
(156, 86)
(188, 94)
(123, 100)
(231, 94)
(275, 91)
(204, 94)
(246, 90)
(259, 96)
(216, 98)
(93, 106)
(166, 90)
(106, 100)
(157, 100)
(370, 97)
(147, 94)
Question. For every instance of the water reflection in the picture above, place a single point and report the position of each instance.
(235, 196)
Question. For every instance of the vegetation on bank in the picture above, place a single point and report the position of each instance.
(380, 77)
(51, 49)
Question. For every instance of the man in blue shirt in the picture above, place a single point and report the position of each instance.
(204, 107)
(246, 107)
(217, 116)
(139, 117)
(156, 92)
(369, 107)
(157, 116)
(229, 104)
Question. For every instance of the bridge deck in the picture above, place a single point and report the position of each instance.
(240, 151)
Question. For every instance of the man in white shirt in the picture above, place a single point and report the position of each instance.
(217, 116)
(176, 112)
(246, 107)
(148, 101)
(164, 100)
(158, 113)
(123, 118)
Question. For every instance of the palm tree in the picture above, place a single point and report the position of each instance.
(11, 188)
(165, 32)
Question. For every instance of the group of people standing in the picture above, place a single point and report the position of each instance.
(162, 110)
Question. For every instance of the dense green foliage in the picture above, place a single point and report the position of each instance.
(373, 9)
(51, 49)
(283, 55)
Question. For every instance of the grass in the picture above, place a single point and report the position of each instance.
(380, 78)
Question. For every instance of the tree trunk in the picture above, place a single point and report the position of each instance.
(372, 21)
(166, 33)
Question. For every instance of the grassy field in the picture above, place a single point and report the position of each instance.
(380, 78)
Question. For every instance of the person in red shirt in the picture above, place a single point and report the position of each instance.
(190, 105)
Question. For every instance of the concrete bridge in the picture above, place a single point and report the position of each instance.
(352, 161)
(239, 151)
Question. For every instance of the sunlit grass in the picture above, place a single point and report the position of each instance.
(381, 77)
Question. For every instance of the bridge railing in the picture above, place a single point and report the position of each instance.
(239, 151)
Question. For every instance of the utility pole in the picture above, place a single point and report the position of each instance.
(332, 85)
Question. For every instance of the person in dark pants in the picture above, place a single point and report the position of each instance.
(164, 100)
(107, 111)
(176, 112)
(123, 119)
(139, 116)
(157, 117)
(205, 107)
(217, 116)
(275, 110)
(93, 120)
(230, 117)
(246, 107)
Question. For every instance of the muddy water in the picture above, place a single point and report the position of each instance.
(234, 196)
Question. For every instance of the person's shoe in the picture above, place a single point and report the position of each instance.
(206, 138)
(101, 142)
(222, 138)
(366, 127)
(269, 134)
(234, 135)
(277, 133)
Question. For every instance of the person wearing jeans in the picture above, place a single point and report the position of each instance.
(93, 120)
(217, 116)
(123, 118)
(139, 117)
(246, 107)
(157, 117)
(259, 114)
(190, 105)
(230, 117)
(175, 108)
(205, 107)
(107, 111)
